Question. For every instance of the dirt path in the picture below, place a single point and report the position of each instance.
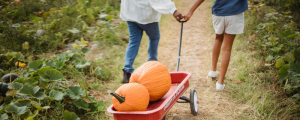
(198, 37)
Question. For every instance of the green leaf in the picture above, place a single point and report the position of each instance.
(35, 65)
(19, 80)
(287, 33)
(75, 91)
(22, 102)
(51, 63)
(7, 99)
(81, 104)
(76, 58)
(98, 71)
(70, 115)
(38, 106)
(53, 75)
(56, 95)
(74, 31)
(36, 19)
(61, 57)
(97, 106)
(273, 38)
(69, 55)
(269, 58)
(294, 75)
(39, 95)
(58, 34)
(25, 45)
(294, 78)
(44, 69)
(288, 86)
(29, 90)
(15, 85)
(59, 64)
(279, 63)
(296, 95)
(83, 42)
(283, 72)
(33, 81)
(16, 110)
(85, 51)
(277, 49)
(295, 68)
(3, 116)
(291, 36)
(82, 64)
(31, 117)
(26, 114)
(109, 17)
(11, 93)
(268, 65)
(289, 57)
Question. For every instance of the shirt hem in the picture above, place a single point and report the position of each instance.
(229, 14)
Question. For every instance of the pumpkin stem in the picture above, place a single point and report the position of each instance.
(120, 98)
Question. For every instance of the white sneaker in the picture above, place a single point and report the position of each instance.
(212, 74)
(220, 87)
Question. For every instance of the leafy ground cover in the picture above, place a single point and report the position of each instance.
(50, 45)
(267, 61)
(277, 41)
(43, 86)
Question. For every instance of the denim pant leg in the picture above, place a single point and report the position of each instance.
(152, 30)
(135, 37)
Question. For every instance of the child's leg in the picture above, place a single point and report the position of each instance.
(216, 51)
(226, 52)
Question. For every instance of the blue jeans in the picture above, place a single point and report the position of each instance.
(135, 37)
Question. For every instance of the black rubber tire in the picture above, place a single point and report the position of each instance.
(192, 106)
(164, 118)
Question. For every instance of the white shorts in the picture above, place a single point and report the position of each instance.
(233, 24)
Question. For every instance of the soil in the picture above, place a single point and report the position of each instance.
(196, 50)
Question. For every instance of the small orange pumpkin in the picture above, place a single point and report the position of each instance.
(155, 77)
(131, 97)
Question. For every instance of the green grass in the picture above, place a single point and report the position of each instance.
(258, 89)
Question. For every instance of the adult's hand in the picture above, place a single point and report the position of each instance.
(177, 15)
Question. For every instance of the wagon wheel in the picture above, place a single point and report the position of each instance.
(194, 102)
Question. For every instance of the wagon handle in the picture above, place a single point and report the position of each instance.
(182, 21)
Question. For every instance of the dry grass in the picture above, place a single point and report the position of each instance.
(198, 37)
(246, 95)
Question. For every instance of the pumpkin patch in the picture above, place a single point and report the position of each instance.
(130, 97)
(155, 77)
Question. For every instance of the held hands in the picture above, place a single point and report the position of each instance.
(187, 16)
(177, 15)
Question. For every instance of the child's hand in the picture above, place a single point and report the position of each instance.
(187, 16)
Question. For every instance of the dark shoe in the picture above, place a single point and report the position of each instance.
(126, 76)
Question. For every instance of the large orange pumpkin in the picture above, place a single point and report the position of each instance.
(131, 97)
(155, 77)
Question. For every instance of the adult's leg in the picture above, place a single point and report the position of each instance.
(216, 51)
(135, 36)
(226, 52)
(152, 30)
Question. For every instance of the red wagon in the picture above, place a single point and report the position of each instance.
(158, 109)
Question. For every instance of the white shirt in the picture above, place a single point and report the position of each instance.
(145, 11)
